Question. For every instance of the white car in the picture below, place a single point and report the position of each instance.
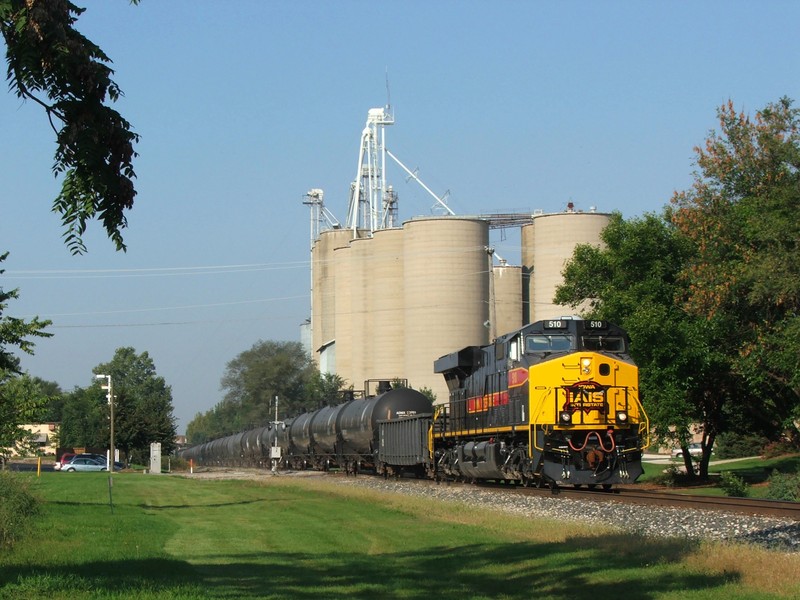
(695, 450)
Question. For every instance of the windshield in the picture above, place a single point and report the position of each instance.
(548, 343)
(604, 342)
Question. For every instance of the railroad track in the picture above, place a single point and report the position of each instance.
(630, 495)
(751, 506)
(633, 495)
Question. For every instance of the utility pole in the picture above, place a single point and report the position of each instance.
(275, 451)
(110, 462)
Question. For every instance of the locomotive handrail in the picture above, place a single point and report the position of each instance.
(535, 419)
(438, 411)
(644, 421)
(644, 424)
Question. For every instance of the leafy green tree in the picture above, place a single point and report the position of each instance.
(21, 401)
(143, 411)
(84, 419)
(634, 281)
(251, 382)
(429, 394)
(55, 400)
(16, 332)
(324, 388)
(255, 377)
(201, 429)
(53, 65)
(20, 398)
(741, 216)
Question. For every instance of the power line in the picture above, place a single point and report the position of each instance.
(150, 272)
(155, 309)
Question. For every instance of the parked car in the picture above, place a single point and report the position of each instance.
(98, 457)
(117, 465)
(66, 457)
(695, 450)
(69, 456)
(83, 463)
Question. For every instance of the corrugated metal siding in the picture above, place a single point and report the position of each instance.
(404, 441)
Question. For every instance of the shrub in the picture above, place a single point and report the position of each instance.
(179, 464)
(784, 486)
(734, 445)
(17, 508)
(779, 448)
(669, 477)
(733, 485)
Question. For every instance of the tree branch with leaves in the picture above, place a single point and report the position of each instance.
(55, 66)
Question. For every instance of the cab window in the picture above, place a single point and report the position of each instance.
(606, 343)
(547, 343)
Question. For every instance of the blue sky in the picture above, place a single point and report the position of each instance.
(242, 107)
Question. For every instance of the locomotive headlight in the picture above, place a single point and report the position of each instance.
(586, 365)
(565, 417)
(622, 416)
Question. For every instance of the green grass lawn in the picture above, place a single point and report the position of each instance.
(755, 472)
(305, 538)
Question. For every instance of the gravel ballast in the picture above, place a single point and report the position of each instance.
(776, 534)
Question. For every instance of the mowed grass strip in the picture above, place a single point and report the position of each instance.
(306, 537)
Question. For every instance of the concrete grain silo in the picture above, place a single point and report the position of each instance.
(388, 349)
(343, 348)
(547, 245)
(506, 303)
(322, 287)
(361, 312)
(446, 293)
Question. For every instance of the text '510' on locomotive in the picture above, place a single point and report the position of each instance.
(555, 402)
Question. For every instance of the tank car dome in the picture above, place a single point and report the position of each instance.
(399, 403)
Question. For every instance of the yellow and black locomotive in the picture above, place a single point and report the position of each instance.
(555, 402)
